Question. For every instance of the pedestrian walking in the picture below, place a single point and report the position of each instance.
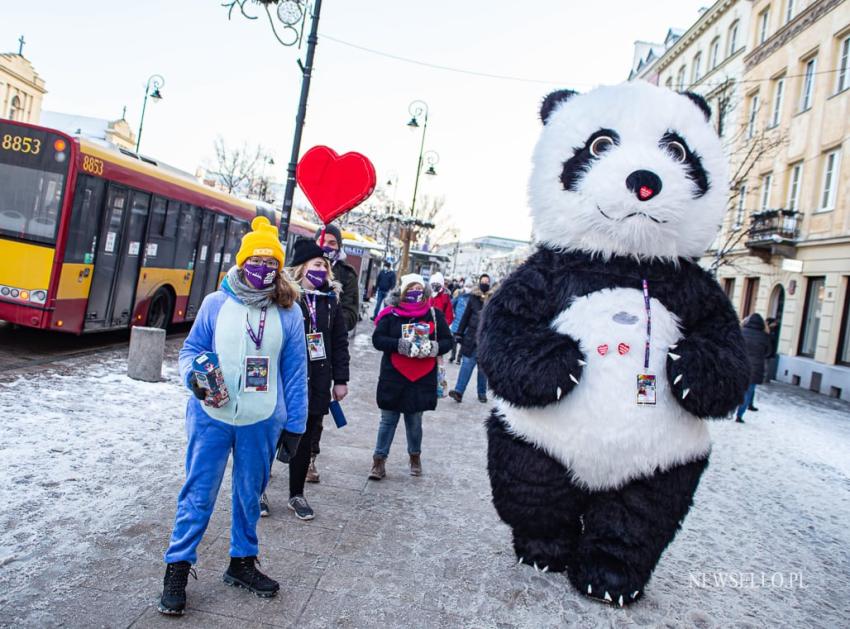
(257, 334)
(411, 333)
(328, 358)
(383, 285)
(458, 306)
(758, 345)
(330, 239)
(467, 331)
(440, 298)
(773, 358)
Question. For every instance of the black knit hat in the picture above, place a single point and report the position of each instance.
(303, 251)
(331, 229)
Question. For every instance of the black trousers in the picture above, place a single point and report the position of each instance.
(317, 437)
(299, 463)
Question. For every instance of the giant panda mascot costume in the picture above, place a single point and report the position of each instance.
(609, 347)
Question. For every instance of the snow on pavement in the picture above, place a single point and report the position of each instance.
(92, 462)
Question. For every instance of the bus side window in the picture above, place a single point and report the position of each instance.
(189, 226)
(157, 220)
(235, 231)
(85, 218)
(169, 230)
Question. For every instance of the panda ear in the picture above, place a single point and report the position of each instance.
(552, 101)
(699, 101)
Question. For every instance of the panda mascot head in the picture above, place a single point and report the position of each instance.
(627, 170)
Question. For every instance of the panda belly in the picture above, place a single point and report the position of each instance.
(598, 430)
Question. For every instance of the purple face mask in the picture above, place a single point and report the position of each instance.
(414, 296)
(316, 277)
(331, 253)
(259, 275)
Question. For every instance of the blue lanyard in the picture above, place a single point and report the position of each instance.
(648, 323)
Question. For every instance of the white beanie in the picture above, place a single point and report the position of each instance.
(411, 278)
(438, 278)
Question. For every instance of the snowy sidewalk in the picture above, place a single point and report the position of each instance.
(92, 462)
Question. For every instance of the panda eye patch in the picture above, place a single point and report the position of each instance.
(600, 144)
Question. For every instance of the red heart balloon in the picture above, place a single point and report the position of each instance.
(334, 183)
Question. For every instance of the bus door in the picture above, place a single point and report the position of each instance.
(106, 258)
(130, 260)
(216, 253)
(202, 258)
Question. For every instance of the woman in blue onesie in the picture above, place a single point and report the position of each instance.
(258, 336)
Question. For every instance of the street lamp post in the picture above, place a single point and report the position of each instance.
(418, 109)
(156, 81)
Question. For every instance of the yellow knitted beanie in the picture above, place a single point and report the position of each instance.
(261, 241)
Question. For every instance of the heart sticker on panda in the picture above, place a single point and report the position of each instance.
(602, 349)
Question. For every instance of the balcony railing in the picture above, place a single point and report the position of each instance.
(774, 227)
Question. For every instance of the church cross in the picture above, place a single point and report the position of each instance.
(21, 41)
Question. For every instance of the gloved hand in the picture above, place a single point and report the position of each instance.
(425, 349)
(435, 349)
(197, 390)
(287, 444)
(406, 348)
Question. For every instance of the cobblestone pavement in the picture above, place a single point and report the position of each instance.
(96, 461)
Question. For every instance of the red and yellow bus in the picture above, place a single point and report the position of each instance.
(97, 238)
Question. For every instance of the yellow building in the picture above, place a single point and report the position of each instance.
(784, 250)
(21, 89)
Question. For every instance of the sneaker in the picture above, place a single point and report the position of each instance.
(312, 472)
(739, 420)
(302, 508)
(243, 573)
(173, 599)
(752, 408)
(264, 505)
(457, 397)
(482, 399)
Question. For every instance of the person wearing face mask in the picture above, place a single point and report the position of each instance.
(253, 325)
(411, 333)
(440, 298)
(329, 239)
(459, 306)
(467, 331)
(327, 352)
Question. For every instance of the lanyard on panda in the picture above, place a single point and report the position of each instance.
(646, 383)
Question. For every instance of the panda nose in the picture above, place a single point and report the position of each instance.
(644, 183)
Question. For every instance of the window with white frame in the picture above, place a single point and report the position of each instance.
(733, 39)
(829, 188)
(696, 71)
(808, 86)
(764, 25)
(766, 183)
(778, 93)
(789, 10)
(794, 183)
(739, 209)
(843, 71)
(754, 111)
(16, 109)
(714, 54)
(680, 79)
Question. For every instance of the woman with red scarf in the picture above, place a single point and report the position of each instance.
(411, 333)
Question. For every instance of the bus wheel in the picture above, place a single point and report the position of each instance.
(159, 312)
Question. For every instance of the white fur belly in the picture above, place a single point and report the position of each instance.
(598, 430)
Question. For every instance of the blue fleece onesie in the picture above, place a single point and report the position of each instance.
(248, 425)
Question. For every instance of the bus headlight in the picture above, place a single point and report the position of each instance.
(38, 296)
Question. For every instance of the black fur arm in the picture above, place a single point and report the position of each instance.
(527, 363)
(708, 369)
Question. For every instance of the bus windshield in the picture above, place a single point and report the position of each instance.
(33, 168)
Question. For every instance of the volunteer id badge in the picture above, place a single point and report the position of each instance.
(256, 374)
(646, 389)
(316, 346)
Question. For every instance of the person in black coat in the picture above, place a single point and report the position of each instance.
(384, 284)
(330, 239)
(759, 347)
(407, 383)
(327, 356)
(467, 332)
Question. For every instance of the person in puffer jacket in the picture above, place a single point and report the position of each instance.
(254, 325)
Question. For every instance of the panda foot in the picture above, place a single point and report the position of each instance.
(545, 555)
(606, 579)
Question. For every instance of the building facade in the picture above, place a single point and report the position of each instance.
(21, 89)
(471, 258)
(115, 132)
(787, 237)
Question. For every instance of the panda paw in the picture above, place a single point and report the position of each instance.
(604, 578)
(544, 555)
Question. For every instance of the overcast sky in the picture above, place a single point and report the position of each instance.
(233, 79)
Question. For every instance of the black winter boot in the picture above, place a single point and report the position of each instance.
(243, 573)
(173, 599)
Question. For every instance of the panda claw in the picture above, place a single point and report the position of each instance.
(582, 363)
(674, 346)
(559, 393)
(545, 569)
(685, 393)
(677, 379)
(620, 601)
(536, 569)
(635, 594)
(520, 562)
(608, 597)
(589, 589)
(574, 379)
(673, 356)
